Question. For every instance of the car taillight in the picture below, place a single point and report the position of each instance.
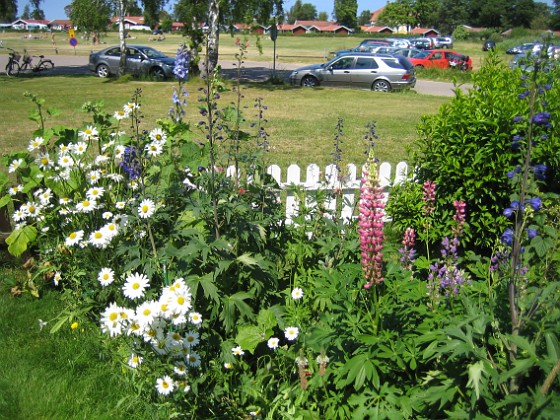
(406, 76)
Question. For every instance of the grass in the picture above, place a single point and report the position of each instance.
(301, 123)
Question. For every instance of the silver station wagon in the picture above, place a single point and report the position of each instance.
(381, 73)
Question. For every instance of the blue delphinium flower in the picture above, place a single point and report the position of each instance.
(542, 118)
(131, 163)
(507, 237)
(181, 69)
(535, 203)
(531, 233)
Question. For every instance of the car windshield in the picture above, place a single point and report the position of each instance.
(151, 53)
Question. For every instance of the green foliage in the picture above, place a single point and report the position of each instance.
(460, 33)
(466, 150)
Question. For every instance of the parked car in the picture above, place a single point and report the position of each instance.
(422, 43)
(443, 42)
(408, 52)
(367, 45)
(362, 70)
(399, 42)
(441, 59)
(488, 45)
(522, 48)
(140, 60)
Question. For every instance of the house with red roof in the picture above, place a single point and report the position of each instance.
(29, 24)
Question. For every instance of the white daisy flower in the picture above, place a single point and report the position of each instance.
(101, 160)
(119, 151)
(35, 143)
(228, 365)
(57, 277)
(63, 149)
(193, 359)
(31, 209)
(65, 161)
(146, 312)
(111, 230)
(191, 339)
(89, 133)
(135, 285)
(94, 177)
(74, 238)
(134, 361)
(133, 185)
(146, 208)
(14, 165)
(86, 206)
(158, 135)
(15, 190)
(237, 351)
(130, 106)
(44, 161)
(195, 318)
(165, 385)
(45, 197)
(179, 302)
(121, 114)
(297, 293)
(120, 205)
(115, 177)
(273, 343)
(19, 215)
(95, 193)
(106, 276)
(111, 320)
(107, 215)
(154, 149)
(79, 148)
(291, 333)
(99, 239)
(107, 146)
(180, 369)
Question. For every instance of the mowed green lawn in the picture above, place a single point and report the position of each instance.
(301, 122)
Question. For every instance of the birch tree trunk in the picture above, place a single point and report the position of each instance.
(213, 37)
(122, 39)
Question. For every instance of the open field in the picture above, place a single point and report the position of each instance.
(301, 123)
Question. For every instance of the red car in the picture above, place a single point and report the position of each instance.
(442, 59)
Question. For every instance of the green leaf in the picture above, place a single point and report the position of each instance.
(552, 346)
(266, 319)
(5, 200)
(19, 239)
(246, 259)
(248, 337)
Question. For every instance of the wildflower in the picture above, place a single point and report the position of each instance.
(121, 114)
(111, 321)
(42, 324)
(130, 163)
(180, 369)
(99, 238)
(154, 149)
(407, 251)
(94, 177)
(191, 339)
(134, 361)
(291, 333)
(14, 165)
(57, 277)
(94, 193)
(371, 224)
(44, 161)
(429, 197)
(74, 238)
(79, 148)
(158, 135)
(146, 208)
(446, 275)
(195, 318)
(228, 365)
(106, 276)
(193, 359)
(119, 205)
(297, 293)
(86, 206)
(65, 161)
(165, 385)
(237, 351)
(535, 203)
(273, 343)
(181, 69)
(135, 285)
(459, 217)
(89, 133)
(146, 313)
(36, 143)
(19, 215)
(15, 190)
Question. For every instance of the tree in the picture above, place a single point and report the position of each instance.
(37, 13)
(302, 11)
(364, 18)
(152, 9)
(8, 10)
(26, 12)
(323, 16)
(90, 15)
(452, 13)
(345, 12)
(398, 13)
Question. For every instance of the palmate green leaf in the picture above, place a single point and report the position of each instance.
(248, 337)
(247, 259)
(266, 319)
(542, 245)
(19, 239)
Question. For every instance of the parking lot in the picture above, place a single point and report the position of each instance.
(251, 71)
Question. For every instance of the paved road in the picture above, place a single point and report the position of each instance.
(254, 71)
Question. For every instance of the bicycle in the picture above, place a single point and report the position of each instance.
(13, 68)
(43, 64)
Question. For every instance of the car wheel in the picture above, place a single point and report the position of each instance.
(102, 70)
(309, 81)
(381, 86)
(157, 73)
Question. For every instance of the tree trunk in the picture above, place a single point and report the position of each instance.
(122, 39)
(213, 37)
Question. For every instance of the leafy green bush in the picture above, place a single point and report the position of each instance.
(468, 147)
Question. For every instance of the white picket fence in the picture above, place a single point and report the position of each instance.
(346, 182)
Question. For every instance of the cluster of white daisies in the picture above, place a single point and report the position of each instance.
(168, 325)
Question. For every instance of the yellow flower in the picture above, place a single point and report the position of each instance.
(74, 325)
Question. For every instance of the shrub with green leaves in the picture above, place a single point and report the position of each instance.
(468, 147)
